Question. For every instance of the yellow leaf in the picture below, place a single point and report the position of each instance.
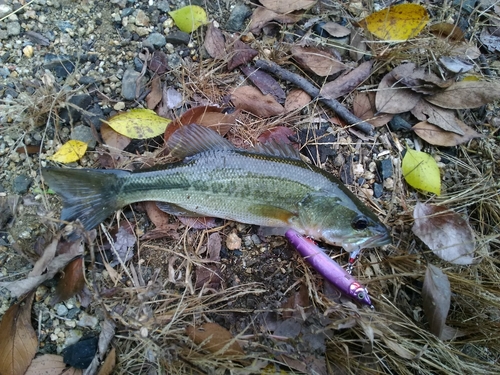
(139, 124)
(421, 171)
(189, 18)
(397, 23)
(70, 151)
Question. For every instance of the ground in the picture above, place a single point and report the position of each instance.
(65, 65)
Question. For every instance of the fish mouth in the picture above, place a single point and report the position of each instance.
(380, 239)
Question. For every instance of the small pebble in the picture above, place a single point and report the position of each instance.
(28, 51)
(119, 106)
(61, 309)
(233, 242)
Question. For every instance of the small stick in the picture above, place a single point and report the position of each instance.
(308, 87)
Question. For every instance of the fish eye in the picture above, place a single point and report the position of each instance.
(359, 222)
(361, 295)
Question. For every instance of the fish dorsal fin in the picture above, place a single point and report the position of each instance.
(193, 139)
(281, 150)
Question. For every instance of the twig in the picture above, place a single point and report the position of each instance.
(308, 87)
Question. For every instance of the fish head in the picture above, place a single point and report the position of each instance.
(360, 294)
(342, 220)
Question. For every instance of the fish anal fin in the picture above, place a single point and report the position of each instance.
(173, 209)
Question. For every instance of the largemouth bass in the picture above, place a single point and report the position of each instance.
(267, 186)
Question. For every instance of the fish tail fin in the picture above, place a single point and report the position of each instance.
(88, 195)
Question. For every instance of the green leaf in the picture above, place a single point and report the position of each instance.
(421, 171)
(139, 124)
(189, 18)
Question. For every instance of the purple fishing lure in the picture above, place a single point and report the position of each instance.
(328, 268)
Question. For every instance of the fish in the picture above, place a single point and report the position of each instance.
(269, 185)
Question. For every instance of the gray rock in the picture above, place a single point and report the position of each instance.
(3, 34)
(96, 118)
(4, 72)
(70, 114)
(13, 28)
(163, 6)
(129, 84)
(21, 184)
(60, 65)
(238, 15)
(157, 40)
(399, 123)
(61, 310)
(64, 26)
(384, 168)
(378, 190)
(174, 61)
(127, 12)
(5, 9)
(84, 133)
(178, 37)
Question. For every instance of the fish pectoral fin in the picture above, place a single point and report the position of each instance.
(173, 209)
(275, 214)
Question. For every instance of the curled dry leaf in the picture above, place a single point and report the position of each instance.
(287, 6)
(445, 232)
(264, 81)
(363, 106)
(241, 54)
(447, 30)
(347, 82)
(250, 99)
(156, 94)
(392, 96)
(317, 61)
(296, 99)
(444, 118)
(71, 282)
(419, 80)
(262, 16)
(18, 340)
(436, 296)
(439, 137)
(214, 338)
(215, 43)
(466, 94)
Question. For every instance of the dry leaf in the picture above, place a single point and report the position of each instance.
(421, 171)
(18, 340)
(287, 6)
(419, 80)
(436, 296)
(336, 30)
(397, 348)
(456, 64)
(444, 118)
(262, 16)
(156, 94)
(466, 94)
(296, 99)
(241, 54)
(113, 139)
(172, 99)
(278, 134)
(447, 31)
(398, 22)
(214, 338)
(358, 45)
(317, 61)
(392, 96)
(109, 363)
(492, 42)
(48, 255)
(347, 82)
(70, 152)
(250, 99)
(445, 232)
(158, 63)
(50, 364)
(363, 106)
(264, 82)
(215, 43)
(439, 137)
(71, 282)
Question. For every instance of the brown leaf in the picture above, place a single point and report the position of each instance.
(287, 6)
(444, 118)
(299, 299)
(419, 80)
(109, 363)
(466, 94)
(347, 82)
(262, 16)
(47, 364)
(215, 118)
(114, 139)
(278, 134)
(264, 82)
(198, 222)
(296, 99)
(317, 61)
(208, 277)
(215, 43)
(445, 232)
(436, 296)
(18, 339)
(241, 54)
(47, 257)
(158, 63)
(447, 31)
(156, 94)
(336, 30)
(363, 106)
(214, 338)
(358, 45)
(250, 99)
(71, 282)
(392, 96)
(439, 137)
